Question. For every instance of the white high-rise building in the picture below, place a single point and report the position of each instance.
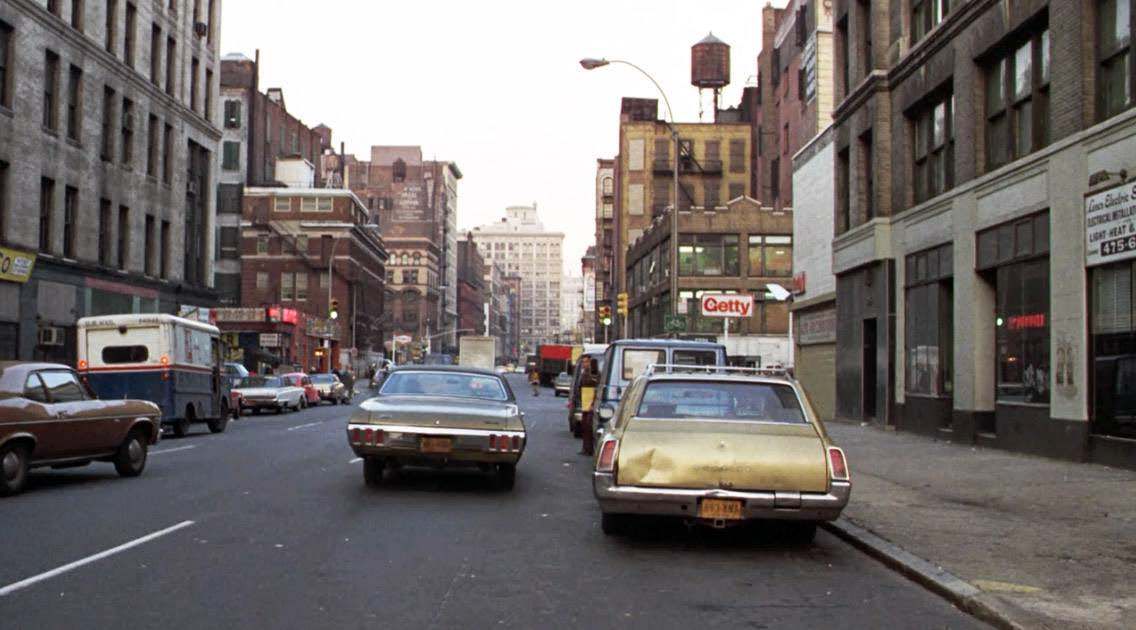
(571, 303)
(520, 245)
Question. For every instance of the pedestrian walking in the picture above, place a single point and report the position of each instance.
(589, 379)
(534, 380)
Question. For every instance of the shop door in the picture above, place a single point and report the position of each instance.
(869, 369)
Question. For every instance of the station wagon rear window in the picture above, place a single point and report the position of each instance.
(113, 355)
(735, 402)
(444, 384)
(636, 361)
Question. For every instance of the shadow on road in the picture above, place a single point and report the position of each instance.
(654, 533)
(427, 480)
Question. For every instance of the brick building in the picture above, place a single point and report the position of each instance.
(294, 241)
(257, 132)
(471, 289)
(606, 242)
(108, 160)
(981, 160)
(415, 202)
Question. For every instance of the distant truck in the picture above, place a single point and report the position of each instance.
(552, 359)
(479, 352)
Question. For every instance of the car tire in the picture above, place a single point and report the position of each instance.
(280, 409)
(373, 471)
(181, 427)
(220, 423)
(802, 533)
(506, 476)
(14, 460)
(613, 524)
(130, 459)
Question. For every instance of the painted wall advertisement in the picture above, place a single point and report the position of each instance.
(1110, 225)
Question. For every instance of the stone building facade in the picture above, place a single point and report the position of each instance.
(606, 242)
(974, 299)
(108, 161)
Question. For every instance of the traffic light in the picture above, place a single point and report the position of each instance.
(333, 312)
(621, 304)
(605, 315)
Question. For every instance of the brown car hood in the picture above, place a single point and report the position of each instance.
(698, 454)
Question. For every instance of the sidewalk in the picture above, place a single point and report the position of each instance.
(1050, 544)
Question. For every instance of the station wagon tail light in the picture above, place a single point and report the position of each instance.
(609, 451)
(838, 464)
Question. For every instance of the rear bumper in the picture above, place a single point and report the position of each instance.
(803, 506)
(469, 446)
(260, 404)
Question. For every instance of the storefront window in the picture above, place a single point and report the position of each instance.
(1016, 256)
(928, 323)
(1114, 351)
(708, 255)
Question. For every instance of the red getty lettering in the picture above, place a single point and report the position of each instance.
(713, 305)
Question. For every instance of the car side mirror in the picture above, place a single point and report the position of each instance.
(606, 413)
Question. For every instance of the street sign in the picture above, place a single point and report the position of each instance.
(1110, 225)
(403, 339)
(16, 265)
(269, 340)
(727, 305)
(675, 324)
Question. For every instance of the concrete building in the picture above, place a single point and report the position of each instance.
(606, 242)
(982, 219)
(108, 165)
(471, 290)
(497, 298)
(257, 132)
(571, 308)
(294, 241)
(415, 202)
(521, 245)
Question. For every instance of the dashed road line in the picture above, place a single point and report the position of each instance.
(173, 450)
(305, 426)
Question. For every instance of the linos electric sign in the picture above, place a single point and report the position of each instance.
(725, 305)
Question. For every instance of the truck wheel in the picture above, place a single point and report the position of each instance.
(130, 459)
(506, 476)
(13, 469)
(219, 424)
(373, 471)
(181, 427)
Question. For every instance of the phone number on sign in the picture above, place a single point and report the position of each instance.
(1118, 246)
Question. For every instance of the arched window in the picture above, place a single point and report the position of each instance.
(399, 170)
(608, 186)
(405, 258)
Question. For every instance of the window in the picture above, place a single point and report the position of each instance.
(929, 322)
(3, 197)
(155, 54)
(104, 231)
(208, 94)
(1015, 256)
(701, 401)
(123, 237)
(231, 156)
(282, 204)
(232, 114)
(287, 287)
(230, 242)
(307, 204)
(6, 54)
(608, 186)
(131, 28)
(167, 245)
(737, 156)
(323, 204)
(736, 190)
(301, 287)
(127, 131)
(113, 355)
(62, 385)
(111, 15)
(775, 178)
(712, 191)
(107, 152)
(925, 15)
(398, 171)
(865, 11)
(708, 254)
(1017, 101)
(70, 220)
(261, 280)
(845, 59)
(262, 244)
(152, 147)
(148, 254)
(1115, 73)
(843, 196)
(934, 142)
(77, 15)
(194, 69)
(50, 90)
(167, 154)
(46, 209)
(75, 103)
(302, 243)
(410, 276)
(1113, 341)
(171, 66)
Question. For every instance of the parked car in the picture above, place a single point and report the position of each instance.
(49, 417)
(269, 392)
(331, 389)
(440, 416)
(303, 381)
(170, 361)
(719, 448)
(233, 373)
(575, 400)
(562, 384)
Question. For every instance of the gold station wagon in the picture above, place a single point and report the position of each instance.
(718, 446)
(439, 416)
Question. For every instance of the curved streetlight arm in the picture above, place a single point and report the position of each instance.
(666, 101)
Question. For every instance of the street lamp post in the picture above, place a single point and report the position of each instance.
(592, 64)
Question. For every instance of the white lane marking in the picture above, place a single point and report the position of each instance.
(305, 426)
(15, 586)
(173, 450)
(356, 460)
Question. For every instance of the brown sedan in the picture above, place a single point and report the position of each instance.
(49, 417)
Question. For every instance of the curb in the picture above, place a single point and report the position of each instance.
(945, 584)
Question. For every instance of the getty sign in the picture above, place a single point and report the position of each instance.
(726, 305)
(1110, 225)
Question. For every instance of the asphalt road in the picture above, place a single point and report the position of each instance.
(269, 525)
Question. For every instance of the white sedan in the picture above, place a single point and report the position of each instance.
(268, 392)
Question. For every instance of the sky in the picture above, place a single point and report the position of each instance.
(493, 85)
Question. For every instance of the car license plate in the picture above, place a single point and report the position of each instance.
(723, 509)
(436, 445)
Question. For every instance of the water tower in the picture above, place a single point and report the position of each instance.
(710, 68)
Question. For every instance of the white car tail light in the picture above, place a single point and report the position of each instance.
(609, 453)
(838, 466)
